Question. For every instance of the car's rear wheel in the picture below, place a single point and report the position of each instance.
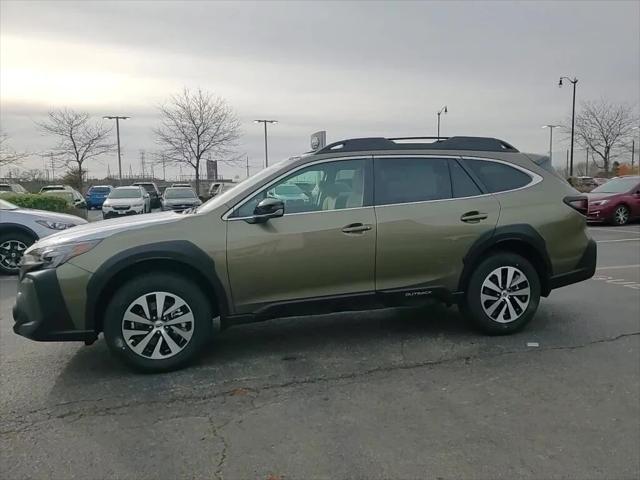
(12, 247)
(621, 215)
(503, 294)
(158, 322)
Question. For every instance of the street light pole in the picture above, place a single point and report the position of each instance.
(117, 119)
(442, 110)
(266, 150)
(574, 81)
(633, 150)
(550, 127)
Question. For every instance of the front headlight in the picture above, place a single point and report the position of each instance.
(52, 257)
(55, 225)
(597, 203)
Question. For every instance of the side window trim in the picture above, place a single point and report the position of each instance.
(368, 191)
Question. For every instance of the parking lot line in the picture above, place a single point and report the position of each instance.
(616, 267)
(620, 230)
(620, 240)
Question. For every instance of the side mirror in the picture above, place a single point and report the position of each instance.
(266, 209)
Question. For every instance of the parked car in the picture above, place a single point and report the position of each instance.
(21, 227)
(126, 201)
(600, 180)
(583, 183)
(153, 192)
(179, 199)
(616, 202)
(218, 188)
(96, 195)
(464, 220)
(12, 188)
(73, 197)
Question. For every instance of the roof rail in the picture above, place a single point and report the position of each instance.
(483, 144)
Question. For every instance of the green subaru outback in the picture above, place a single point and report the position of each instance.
(357, 225)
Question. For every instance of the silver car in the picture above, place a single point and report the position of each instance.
(21, 227)
(179, 199)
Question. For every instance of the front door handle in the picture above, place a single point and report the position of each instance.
(474, 217)
(356, 228)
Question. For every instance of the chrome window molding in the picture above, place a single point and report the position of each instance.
(535, 179)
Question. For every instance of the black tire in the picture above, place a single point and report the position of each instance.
(9, 254)
(157, 282)
(621, 215)
(473, 307)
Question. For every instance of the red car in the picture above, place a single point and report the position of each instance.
(616, 202)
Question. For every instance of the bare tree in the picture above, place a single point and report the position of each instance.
(605, 129)
(8, 156)
(195, 124)
(80, 139)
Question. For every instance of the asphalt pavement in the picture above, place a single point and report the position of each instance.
(385, 394)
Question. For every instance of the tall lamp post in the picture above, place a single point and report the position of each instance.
(266, 150)
(117, 119)
(633, 150)
(550, 127)
(441, 111)
(574, 81)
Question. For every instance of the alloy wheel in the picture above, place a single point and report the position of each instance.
(621, 215)
(505, 294)
(157, 325)
(11, 252)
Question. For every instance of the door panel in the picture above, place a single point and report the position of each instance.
(423, 244)
(301, 255)
(423, 231)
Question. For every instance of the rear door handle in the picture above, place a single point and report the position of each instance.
(474, 217)
(356, 228)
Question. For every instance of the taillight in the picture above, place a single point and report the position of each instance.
(578, 203)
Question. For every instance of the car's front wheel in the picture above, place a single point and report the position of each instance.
(503, 294)
(621, 215)
(158, 322)
(12, 247)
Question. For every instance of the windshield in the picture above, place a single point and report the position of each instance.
(617, 185)
(149, 187)
(5, 188)
(4, 205)
(126, 193)
(179, 193)
(99, 190)
(51, 189)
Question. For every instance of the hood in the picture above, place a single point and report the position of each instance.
(601, 196)
(106, 228)
(51, 216)
(124, 201)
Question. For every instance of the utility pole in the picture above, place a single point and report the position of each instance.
(550, 127)
(53, 168)
(587, 164)
(164, 168)
(442, 110)
(117, 119)
(567, 167)
(574, 81)
(142, 172)
(247, 165)
(266, 151)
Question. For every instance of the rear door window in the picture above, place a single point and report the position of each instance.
(498, 177)
(406, 180)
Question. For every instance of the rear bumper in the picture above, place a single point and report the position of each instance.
(40, 312)
(585, 269)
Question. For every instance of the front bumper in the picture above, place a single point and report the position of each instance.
(585, 269)
(113, 213)
(40, 312)
(600, 213)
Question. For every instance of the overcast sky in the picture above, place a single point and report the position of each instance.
(353, 69)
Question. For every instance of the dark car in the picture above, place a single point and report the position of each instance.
(96, 196)
(152, 190)
(616, 202)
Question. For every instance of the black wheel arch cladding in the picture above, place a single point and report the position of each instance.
(175, 251)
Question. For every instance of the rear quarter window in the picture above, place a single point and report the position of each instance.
(498, 177)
